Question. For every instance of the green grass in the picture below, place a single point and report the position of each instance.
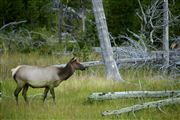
(71, 95)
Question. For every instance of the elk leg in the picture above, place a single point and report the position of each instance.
(53, 94)
(24, 93)
(16, 93)
(45, 93)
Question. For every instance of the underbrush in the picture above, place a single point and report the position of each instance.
(71, 95)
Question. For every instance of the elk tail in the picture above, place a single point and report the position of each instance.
(14, 71)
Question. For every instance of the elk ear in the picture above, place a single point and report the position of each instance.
(173, 45)
(73, 59)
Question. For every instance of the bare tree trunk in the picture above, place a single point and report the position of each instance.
(83, 22)
(166, 33)
(107, 54)
(60, 22)
(57, 4)
(83, 16)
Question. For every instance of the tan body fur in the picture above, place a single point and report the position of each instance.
(43, 77)
(37, 76)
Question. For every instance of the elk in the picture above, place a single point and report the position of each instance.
(176, 44)
(42, 77)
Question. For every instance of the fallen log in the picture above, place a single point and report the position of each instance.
(154, 56)
(137, 60)
(132, 94)
(86, 64)
(177, 63)
(157, 53)
(128, 60)
(137, 107)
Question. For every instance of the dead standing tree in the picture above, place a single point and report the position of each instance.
(83, 17)
(103, 34)
(155, 22)
(151, 23)
(166, 33)
(58, 5)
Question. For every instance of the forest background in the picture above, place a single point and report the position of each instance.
(41, 24)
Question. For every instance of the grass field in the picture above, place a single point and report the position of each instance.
(71, 95)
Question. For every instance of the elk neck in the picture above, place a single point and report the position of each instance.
(65, 72)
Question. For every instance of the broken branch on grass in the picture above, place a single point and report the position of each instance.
(132, 94)
(137, 107)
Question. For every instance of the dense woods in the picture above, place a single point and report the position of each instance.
(78, 23)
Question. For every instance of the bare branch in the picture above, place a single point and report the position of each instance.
(12, 23)
(151, 36)
(139, 38)
(161, 110)
(139, 16)
(144, 15)
(132, 41)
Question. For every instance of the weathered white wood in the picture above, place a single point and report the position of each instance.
(112, 71)
(132, 94)
(156, 56)
(96, 63)
(142, 11)
(136, 60)
(177, 63)
(86, 64)
(12, 23)
(83, 17)
(0, 96)
(166, 33)
(57, 4)
(156, 104)
(118, 50)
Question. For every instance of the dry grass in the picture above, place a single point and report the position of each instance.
(71, 95)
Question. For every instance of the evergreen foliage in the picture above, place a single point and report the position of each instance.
(42, 17)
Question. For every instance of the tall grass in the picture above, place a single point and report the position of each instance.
(71, 95)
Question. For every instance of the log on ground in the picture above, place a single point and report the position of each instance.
(86, 64)
(138, 107)
(132, 94)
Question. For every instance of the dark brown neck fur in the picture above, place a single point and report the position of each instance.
(66, 72)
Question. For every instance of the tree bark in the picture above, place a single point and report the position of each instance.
(112, 71)
(83, 17)
(57, 4)
(86, 64)
(60, 23)
(166, 33)
(137, 107)
(132, 94)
